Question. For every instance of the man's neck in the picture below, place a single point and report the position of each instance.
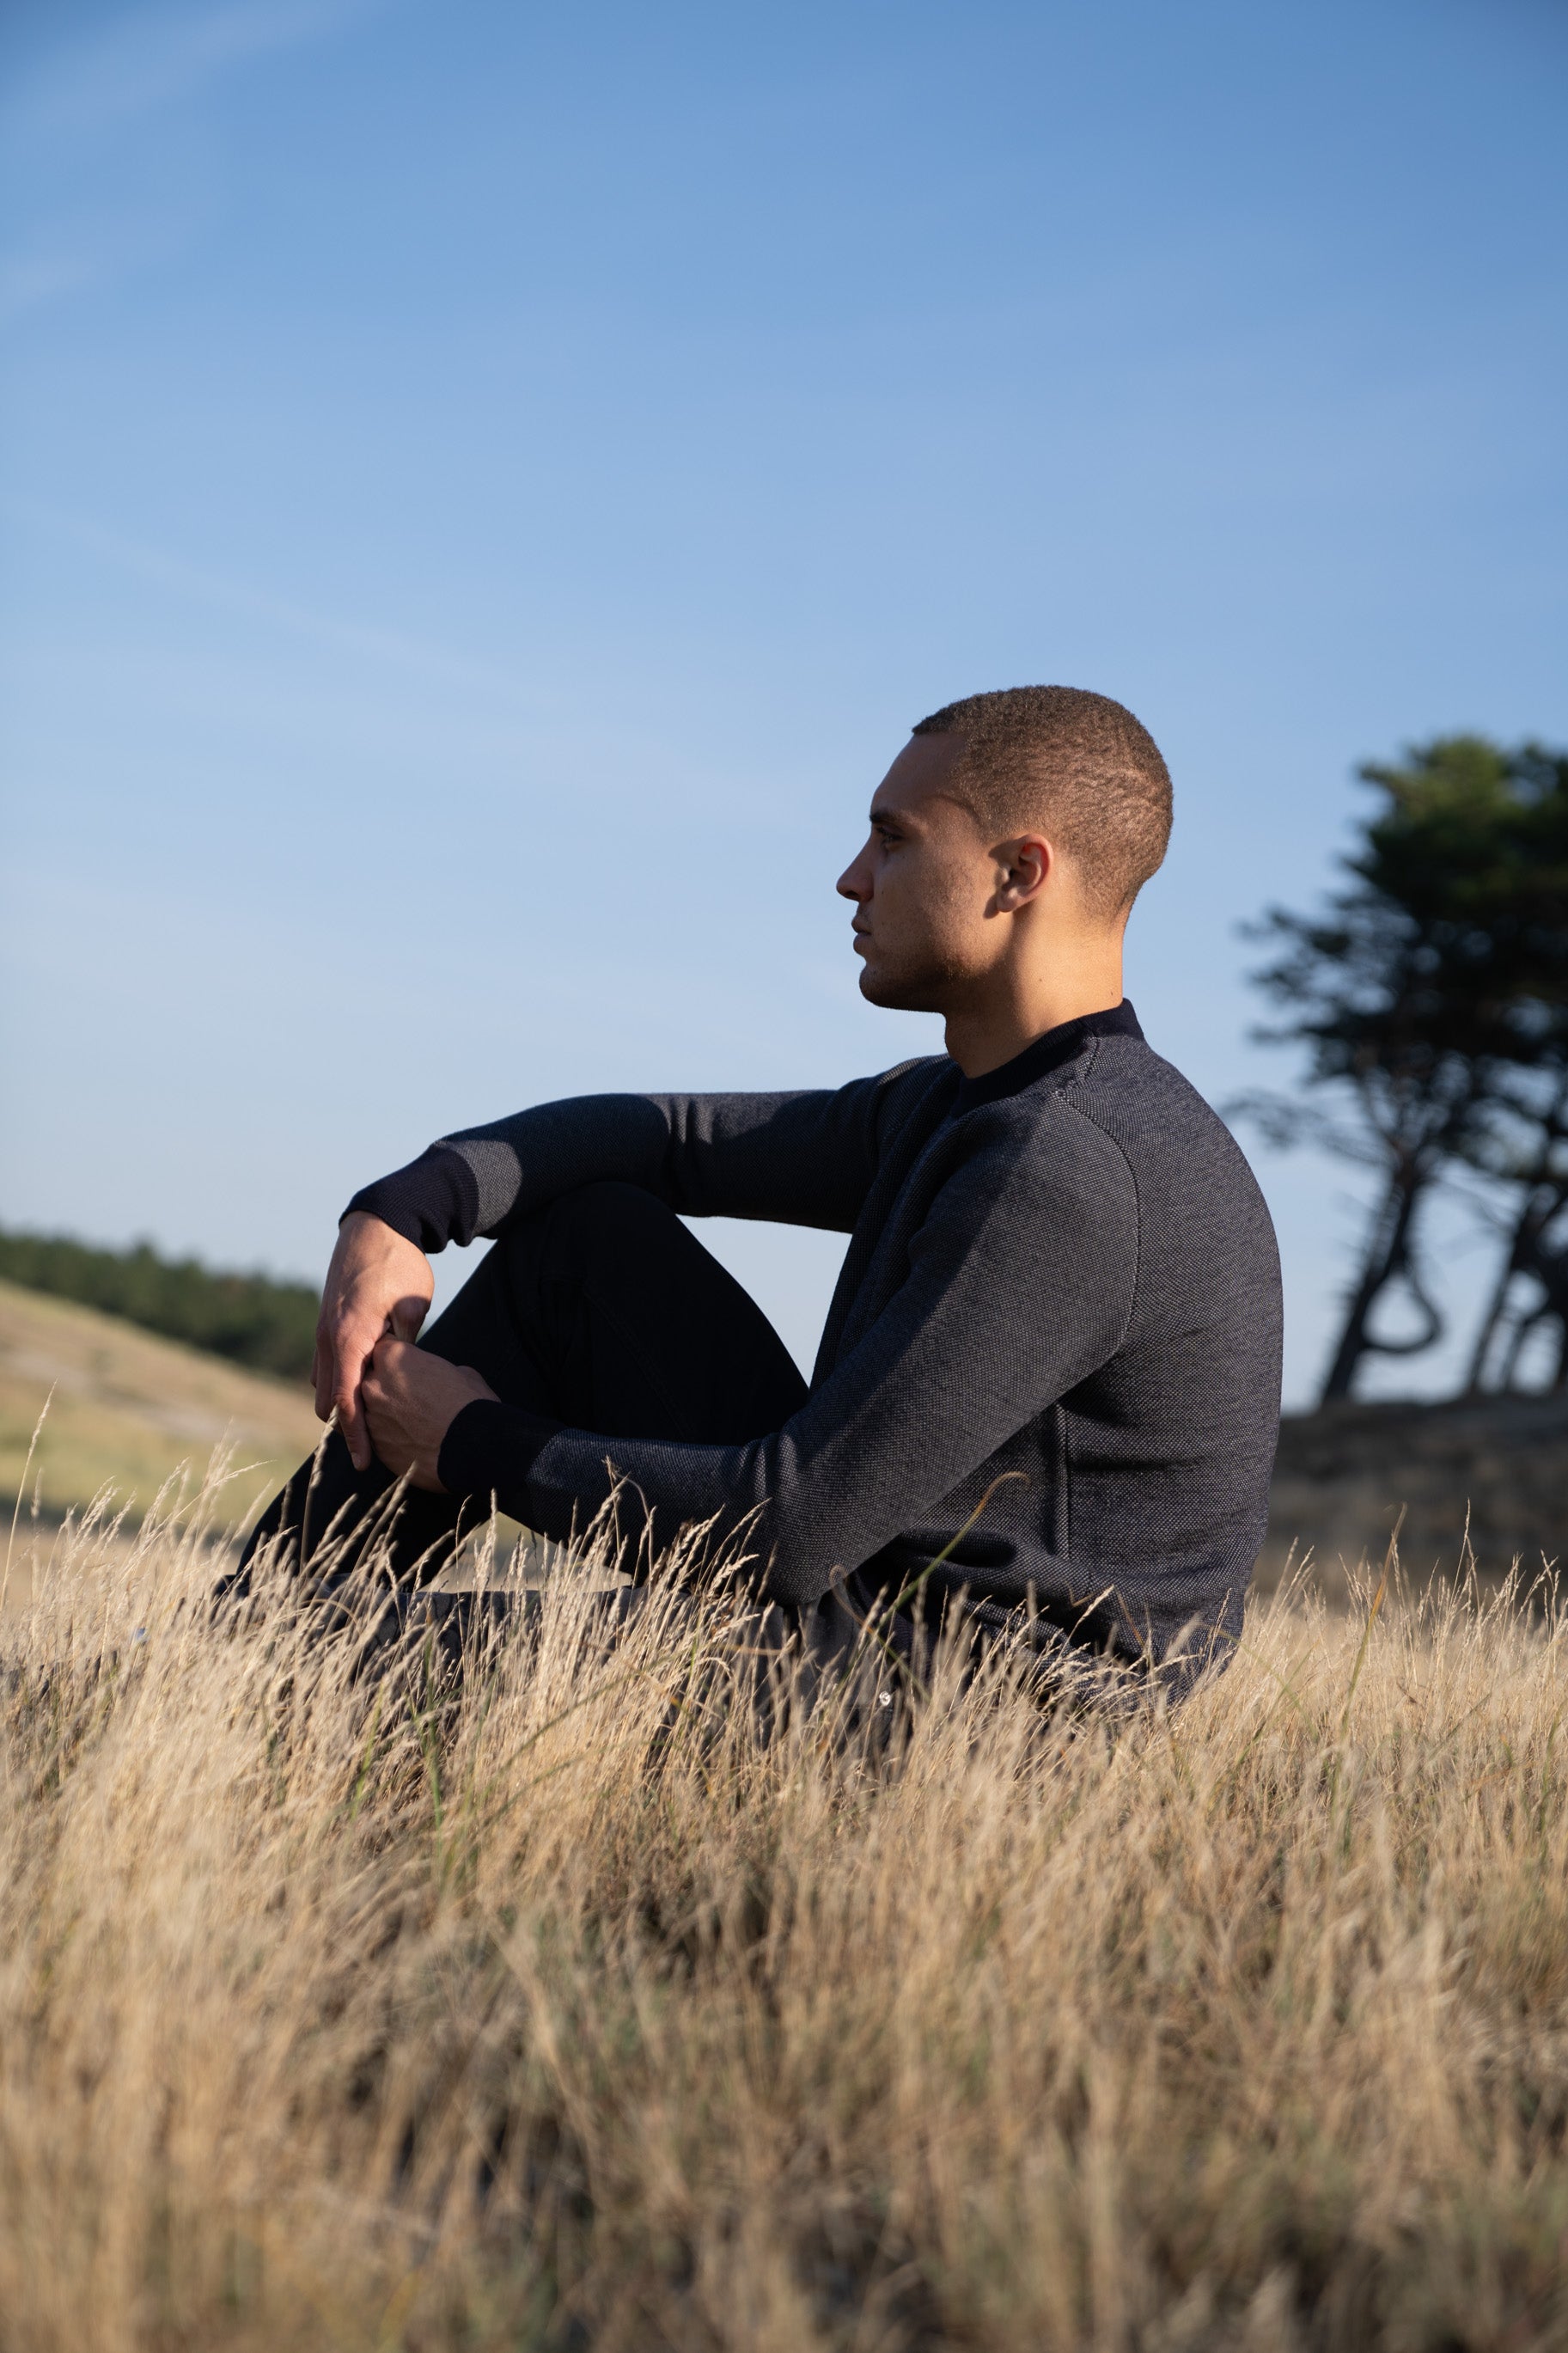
(980, 1036)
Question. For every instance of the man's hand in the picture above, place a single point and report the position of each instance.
(377, 1284)
(411, 1399)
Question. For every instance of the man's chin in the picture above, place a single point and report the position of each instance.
(901, 992)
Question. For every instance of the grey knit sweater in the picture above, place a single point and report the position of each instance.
(1063, 1271)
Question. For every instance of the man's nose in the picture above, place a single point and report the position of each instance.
(854, 883)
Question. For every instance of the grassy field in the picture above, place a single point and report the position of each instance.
(563, 2011)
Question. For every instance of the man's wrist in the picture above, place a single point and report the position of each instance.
(432, 1201)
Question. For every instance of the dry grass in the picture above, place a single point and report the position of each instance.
(350, 2015)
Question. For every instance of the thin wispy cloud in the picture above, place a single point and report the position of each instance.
(59, 118)
(159, 57)
(204, 586)
(30, 280)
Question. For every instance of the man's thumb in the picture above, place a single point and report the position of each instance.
(406, 1319)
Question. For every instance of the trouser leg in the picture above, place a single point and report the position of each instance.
(602, 1311)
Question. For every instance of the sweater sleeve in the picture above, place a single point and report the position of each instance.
(1019, 1285)
(803, 1159)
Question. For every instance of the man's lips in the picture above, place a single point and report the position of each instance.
(861, 938)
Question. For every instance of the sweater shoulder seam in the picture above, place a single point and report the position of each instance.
(1082, 1110)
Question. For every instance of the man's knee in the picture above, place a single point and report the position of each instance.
(582, 1230)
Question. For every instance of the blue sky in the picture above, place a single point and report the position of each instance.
(487, 489)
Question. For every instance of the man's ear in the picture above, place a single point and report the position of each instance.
(1024, 863)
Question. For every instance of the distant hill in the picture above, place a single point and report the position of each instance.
(1497, 1464)
(252, 1319)
(128, 1407)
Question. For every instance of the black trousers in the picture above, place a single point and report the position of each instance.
(602, 1311)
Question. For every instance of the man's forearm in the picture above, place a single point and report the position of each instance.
(805, 1158)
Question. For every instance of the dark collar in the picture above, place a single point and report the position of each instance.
(1042, 1055)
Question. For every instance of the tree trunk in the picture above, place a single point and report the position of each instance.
(1534, 1254)
(1495, 1305)
(1524, 1325)
(1548, 1263)
(1386, 1257)
(1535, 1214)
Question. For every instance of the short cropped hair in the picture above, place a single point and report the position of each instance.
(1075, 764)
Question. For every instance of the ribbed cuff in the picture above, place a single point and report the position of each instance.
(433, 1201)
(490, 1449)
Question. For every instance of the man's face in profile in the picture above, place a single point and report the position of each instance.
(920, 885)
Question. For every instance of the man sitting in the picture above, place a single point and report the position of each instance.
(1048, 1392)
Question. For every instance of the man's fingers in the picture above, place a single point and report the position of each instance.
(351, 1421)
(353, 1362)
(342, 1352)
(326, 1378)
(376, 1279)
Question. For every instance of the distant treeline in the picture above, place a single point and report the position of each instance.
(251, 1318)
